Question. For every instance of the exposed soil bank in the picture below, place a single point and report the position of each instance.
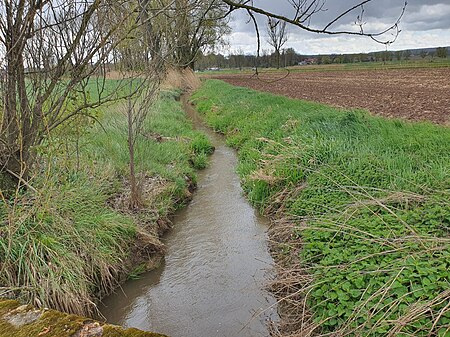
(213, 277)
(25, 321)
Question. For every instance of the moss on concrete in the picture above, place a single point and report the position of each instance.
(24, 321)
(115, 331)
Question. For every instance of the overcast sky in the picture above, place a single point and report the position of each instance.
(426, 23)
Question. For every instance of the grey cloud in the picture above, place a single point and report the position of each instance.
(426, 24)
(429, 16)
(384, 11)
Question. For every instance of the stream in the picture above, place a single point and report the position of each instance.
(212, 281)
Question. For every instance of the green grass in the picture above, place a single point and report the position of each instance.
(64, 246)
(171, 159)
(411, 64)
(389, 65)
(369, 198)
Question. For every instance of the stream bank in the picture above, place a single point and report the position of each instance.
(74, 240)
(363, 246)
(215, 270)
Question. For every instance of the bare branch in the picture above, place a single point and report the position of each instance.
(301, 18)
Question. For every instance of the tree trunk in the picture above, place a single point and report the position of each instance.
(135, 197)
(16, 124)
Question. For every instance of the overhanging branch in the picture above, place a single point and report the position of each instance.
(327, 29)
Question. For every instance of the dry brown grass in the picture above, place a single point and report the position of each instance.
(292, 282)
(183, 79)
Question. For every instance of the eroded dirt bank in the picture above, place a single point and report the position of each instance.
(413, 94)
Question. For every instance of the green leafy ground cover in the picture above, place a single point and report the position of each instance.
(71, 240)
(369, 198)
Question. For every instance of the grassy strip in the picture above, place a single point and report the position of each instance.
(389, 65)
(69, 243)
(413, 64)
(360, 66)
(369, 198)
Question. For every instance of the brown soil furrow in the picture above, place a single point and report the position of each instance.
(413, 94)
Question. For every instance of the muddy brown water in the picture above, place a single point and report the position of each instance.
(217, 264)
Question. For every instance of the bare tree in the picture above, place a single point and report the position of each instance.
(141, 63)
(143, 92)
(56, 54)
(277, 36)
(54, 50)
(441, 52)
(196, 26)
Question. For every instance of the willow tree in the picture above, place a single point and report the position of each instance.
(53, 50)
(196, 26)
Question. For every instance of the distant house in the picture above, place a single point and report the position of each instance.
(308, 61)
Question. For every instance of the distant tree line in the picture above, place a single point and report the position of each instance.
(288, 57)
(442, 52)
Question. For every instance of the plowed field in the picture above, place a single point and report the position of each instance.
(414, 94)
